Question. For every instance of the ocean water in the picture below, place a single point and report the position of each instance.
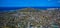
(18, 8)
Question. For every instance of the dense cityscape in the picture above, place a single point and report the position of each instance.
(31, 18)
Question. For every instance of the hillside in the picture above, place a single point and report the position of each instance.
(27, 17)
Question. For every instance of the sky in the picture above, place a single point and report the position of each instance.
(29, 3)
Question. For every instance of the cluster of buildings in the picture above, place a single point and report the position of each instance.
(31, 18)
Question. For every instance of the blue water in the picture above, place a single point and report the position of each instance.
(2, 9)
(16, 8)
(15, 4)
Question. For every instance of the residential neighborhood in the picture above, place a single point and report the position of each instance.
(31, 18)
